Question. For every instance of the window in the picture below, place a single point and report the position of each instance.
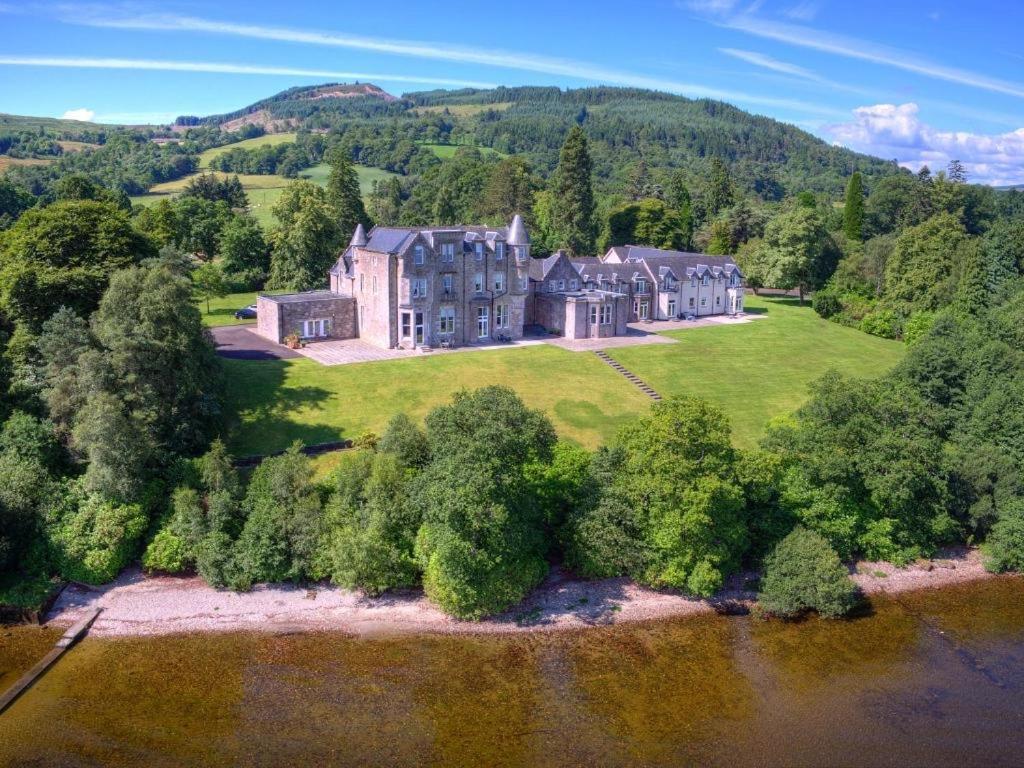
(417, 257)
(705, 280)
(739, 304)
(641, 286)
(691, 302)
(644, 310)
(499, 251)
(501, 316)
(499, 281)
(478, 282)
(593, 314)
(362, 315)
(447, 319)
(362, 281)
(671, 308)
(526, 283)
(574, 285)
(669, 284)
(703, 301)
(482, 323)
(718, 300)
(552, 286)
(606, 286)
(375, 284)
(479, 250)
(561, 285)
(693, 282)
(520, 251)
(316, 329)
(373, 260)
(606, 314)
(406, 325)
(447, 251)
(446, 282)
(419, 288)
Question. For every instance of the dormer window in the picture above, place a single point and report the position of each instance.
(479, 251)
(693, 282)
(706, 280)
(447, 251)
(417, 255)
(574, 285)
(499, 251)
(552, 286)
(641, 286)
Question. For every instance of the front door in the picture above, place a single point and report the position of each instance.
(418, 328)
(482, 323)
(644, 310)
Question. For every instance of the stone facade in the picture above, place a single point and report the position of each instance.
(401, 287)
(313, 315)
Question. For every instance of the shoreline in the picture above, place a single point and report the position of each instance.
(136, 605)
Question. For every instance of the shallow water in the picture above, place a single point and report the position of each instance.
(933, 678)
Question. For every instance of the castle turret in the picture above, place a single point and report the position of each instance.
(519, 240)
(358, 237)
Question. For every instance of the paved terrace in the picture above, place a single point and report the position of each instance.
(243, 342)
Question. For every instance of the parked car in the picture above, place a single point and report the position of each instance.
(246, 313)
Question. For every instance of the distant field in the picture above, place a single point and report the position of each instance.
(76, 146)
(465, 110)
(447, 151)
(754, 371)
(10, 162)
(263, 191)
(268, 140)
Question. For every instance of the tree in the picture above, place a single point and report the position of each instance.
(853, 208)
(283, 525)
(1004, 548)
(794, 250)
(718, 191)
(720, 240)
(243, 249)
(211, 188)
(803, 573)
(386, 201)
(921, 273)
(63, 255)
(406, 441)
(307, 240)
(13, 201)
(677, 195)
(573, 206)
(343, 193)
(208, 283)
(650, 222)
(509, 191)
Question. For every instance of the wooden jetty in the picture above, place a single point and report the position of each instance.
(68, 639)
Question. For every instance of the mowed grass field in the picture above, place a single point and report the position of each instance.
(754, 371)
(447, 151)
(267, 140)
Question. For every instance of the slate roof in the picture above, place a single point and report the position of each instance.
(682, 264)
(295, 298)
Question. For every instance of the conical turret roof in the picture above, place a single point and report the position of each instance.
(358, 237)
(517, 234)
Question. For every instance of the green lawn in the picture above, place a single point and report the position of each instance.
(267, 140)
(755, 371)
(447, 151)
(760, 369)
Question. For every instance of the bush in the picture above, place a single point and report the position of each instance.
(166, 552)
(804, 574)
(917, 327)
(94, 538)
(1004, 549)
(882, 322)
(406, 441)
(826, 303)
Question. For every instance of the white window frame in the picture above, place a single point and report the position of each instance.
(552, 286)
(499, 251)
(362, 283)
(405, 325)
(478, 282)
(419, 288)
(418, 256)
(478, 249)
(447, 251)
(499, 281)
(318, 328)
(526, 283)
(446, 282)
(574, 285)
(483, 329)
(500, 316)
(561, 285)
(606, 314)
(705, 280)
(641, 285)
(703, 301)
(374, 281)
(593, 314)
(671, 309)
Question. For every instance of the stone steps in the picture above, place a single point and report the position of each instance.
(631, 377)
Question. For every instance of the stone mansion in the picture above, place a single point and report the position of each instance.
(400, 287)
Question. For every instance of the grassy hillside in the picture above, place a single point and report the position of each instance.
(754, 371)
(267, 140)
(447, 151)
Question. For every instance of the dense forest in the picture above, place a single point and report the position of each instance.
(106, 460)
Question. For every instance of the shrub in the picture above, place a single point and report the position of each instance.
(1004, 548)
(826, 303)
(917, 327)
(166, 552)
(803, 574)
(882, 322)
(406, 441)
(94, 538)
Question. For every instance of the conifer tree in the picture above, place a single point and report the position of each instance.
(573, 204)
(719, 188)
(343, 193)
(853, 209)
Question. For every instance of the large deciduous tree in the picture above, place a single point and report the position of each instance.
(796, 251)
(307, 240)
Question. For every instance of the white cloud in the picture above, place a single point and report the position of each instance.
(527, 62)
(78, 62)
(803, 11)
(85, 115)
(896, 131)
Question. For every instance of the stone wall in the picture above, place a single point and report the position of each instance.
(277, 319)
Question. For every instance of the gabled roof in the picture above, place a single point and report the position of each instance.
(680, 263)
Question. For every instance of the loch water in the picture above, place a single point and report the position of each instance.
(933, 678)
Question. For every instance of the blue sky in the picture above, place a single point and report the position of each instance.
(922, 82)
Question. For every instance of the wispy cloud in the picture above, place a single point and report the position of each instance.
(85, 115)
(891, 130)
(863, 50)
(803, 11)
(81, 62)
(526, 62)
(793, 70)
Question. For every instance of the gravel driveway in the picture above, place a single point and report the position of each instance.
(241, 342)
